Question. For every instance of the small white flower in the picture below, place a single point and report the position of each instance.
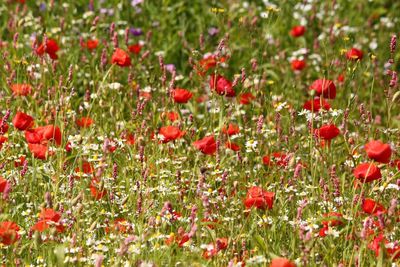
(373, 45)
(264, 15)
(114, 86)
(393, 186)
(88, 14)
(281, 106)
(179, 77)
(310, 116)
(256, 260)
(336, 112)
(251, 144)
(303, 112)
(332, 232)
(159, 53)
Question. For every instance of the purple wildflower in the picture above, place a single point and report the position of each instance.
(213, 31)
(136, 31)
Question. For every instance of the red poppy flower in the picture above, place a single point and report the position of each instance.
(378, 151)
(3, 139)
(298, 64)
(298, 31)
(51, 132)
(22, 121)
(210, 223)
(50, 214)
(221, 86)
(354, 54)
(182, 95)
(121, 58)
(119, 225)
(51, 49)
(91, 44)
(48, 218)
(340, 78)
(316, 104)
(332, 219)
(175, 215)
(173, 116)
(86, 168)
(396, 163)
(4, 126)
(152, 136)
(130, 139)
(3, 184)
(43, 225)
(327, 132)
(324, 87)
(232, 129)
(375, 245)
(9, 233)
(20, 162)
(221, 243)
(322, 231)
(184, 238)
(145, 95)
(95, 190)
(208, 62)
(233, 146)
(246, 98)
(68, 147)
(278, 158)
(112, 146)
(370, 206)
(21, 89)
(84, 122)
(259, 198)
(281, 262)
(266, 160)
(180, 238)
(213, 249)
(39, 151)
(170, 133)
(33, 136)
(170, 115)
(394, 252)
(367, 172)
(380, 242)
(207, 145)
(135, 48)
(43, 133)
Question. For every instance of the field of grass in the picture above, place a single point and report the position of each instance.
(199, 133)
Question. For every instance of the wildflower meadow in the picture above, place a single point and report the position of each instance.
(199, 133)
